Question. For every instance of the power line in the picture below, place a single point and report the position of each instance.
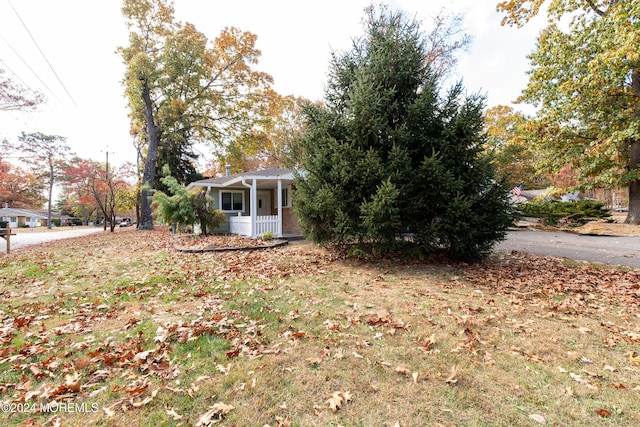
(42, 53)
(29, 67)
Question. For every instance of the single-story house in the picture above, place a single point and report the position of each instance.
(254, 202)
(22, 217)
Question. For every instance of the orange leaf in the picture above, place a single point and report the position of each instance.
(298, 334)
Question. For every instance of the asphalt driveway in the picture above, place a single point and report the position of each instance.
(616, 250)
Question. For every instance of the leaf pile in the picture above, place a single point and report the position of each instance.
(586, 287)
(218, 242)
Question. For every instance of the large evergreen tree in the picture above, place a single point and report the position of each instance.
(388, 160)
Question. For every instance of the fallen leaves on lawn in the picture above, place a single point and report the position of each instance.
(402, 371)
(173, 414)
(530, 276)
(426, 344)
(384, 318)
(214, 414)
(339, 398)
(453, 375)
(538, 418)
(217, 241)
(582, 381)
(51, 349)
(604, 413)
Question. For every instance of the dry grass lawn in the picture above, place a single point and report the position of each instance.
(122, 329)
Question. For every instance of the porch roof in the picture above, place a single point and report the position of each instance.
(265, 178)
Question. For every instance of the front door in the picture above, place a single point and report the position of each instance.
(264, 202)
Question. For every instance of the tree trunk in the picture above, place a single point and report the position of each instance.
(633, 217)
(149, 172)
(51, 178)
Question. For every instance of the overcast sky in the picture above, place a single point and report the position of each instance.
(74, 63)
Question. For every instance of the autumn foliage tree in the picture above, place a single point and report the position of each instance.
(120, 193)
(78, 187)
(509, 145)
(389, 161)
(183, 88)
(272, 141)
(92, 189)
(44, 155)
(15, 97)
(19, 188)
(585, 78)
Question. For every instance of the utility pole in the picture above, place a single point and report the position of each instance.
(106, 194)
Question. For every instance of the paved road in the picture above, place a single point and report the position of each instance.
(603, 249)
(21, 240)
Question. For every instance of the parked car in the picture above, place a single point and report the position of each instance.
(625, 209)
(125, 222)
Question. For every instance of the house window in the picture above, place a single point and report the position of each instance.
(232, 201)
(14, 219)
(286, 201)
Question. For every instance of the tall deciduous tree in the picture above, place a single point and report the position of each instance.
(272, 142)
(389, 159)
(183, 88)
(585, 77)
(45, 154)
(508, 143)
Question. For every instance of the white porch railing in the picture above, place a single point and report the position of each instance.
(241, 225)
(266, 223)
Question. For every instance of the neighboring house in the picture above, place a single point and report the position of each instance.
(22, 217)
(534, 194)
(254, 202)
(64, 219)
(572, 197)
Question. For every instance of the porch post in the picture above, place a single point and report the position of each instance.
(253, 208)
(279, 201)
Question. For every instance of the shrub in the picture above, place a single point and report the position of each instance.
(267, 236)
(183, 208)
(578, 213)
